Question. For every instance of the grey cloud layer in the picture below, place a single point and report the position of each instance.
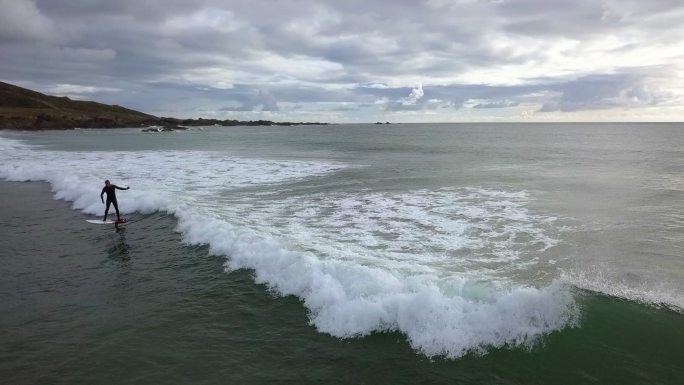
(267, 55)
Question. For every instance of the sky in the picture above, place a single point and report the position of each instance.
(355, 61)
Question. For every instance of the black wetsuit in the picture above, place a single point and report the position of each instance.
(111, 198)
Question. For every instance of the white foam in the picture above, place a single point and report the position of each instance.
(440, 232)
(447, 317)
(361, 262)
(596, 279)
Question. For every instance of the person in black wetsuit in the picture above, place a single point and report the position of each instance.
(110, 189)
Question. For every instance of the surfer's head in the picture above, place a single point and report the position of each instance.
(107, 182)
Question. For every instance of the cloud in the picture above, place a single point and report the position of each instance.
(552, 56)
(415, 95)
(75, 89)
(22, 21)
(599, 92)
(498, 104)
(259, 101)
(412, 102)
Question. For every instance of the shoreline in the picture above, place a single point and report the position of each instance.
(34, 124)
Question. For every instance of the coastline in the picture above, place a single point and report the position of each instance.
(46, 123)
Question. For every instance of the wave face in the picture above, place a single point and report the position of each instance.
(435, 265)
(599, 279)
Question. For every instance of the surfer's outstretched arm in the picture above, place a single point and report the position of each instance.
(101, 194)
(121, 188)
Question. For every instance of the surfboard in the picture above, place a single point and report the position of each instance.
(101, 222)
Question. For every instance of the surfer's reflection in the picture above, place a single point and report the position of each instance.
(120, 249)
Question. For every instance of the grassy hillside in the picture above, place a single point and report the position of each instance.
(25, 109)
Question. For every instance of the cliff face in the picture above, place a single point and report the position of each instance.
(23, 109)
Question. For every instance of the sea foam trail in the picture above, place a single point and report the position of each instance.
(446, 315)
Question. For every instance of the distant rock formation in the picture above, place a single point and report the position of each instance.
(156, 129)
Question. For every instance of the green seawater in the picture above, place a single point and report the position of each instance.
(85, 304)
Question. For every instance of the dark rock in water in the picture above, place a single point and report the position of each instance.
(156, 129)
(173, 128)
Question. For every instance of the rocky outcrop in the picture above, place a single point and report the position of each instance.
(51, 122)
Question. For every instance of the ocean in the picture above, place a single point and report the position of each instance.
(345, 254)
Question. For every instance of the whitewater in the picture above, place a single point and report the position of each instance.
(436, 265)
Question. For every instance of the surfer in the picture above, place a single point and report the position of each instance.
(110, 189)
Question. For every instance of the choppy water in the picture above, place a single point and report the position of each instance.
(467, 244)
